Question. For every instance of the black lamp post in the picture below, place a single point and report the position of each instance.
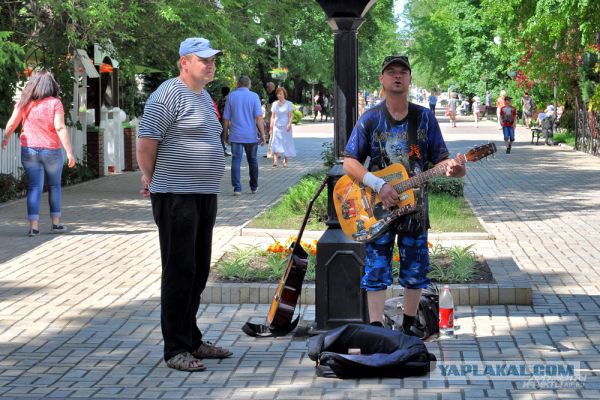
(340, 261)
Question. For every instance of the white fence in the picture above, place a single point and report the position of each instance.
(10, 159)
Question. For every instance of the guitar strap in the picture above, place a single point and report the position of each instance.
(412, 125)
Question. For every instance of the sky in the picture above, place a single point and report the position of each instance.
(398, 7)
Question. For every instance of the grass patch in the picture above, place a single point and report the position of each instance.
(565, 137)
(448, 211)
(451, 214)
(253, 264)
(455, 264)
(452, 264)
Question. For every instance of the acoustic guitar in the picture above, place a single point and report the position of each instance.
(360, 210)
(284, 302)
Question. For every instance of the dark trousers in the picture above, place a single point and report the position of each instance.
(185, 226)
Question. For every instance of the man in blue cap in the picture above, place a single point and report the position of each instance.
(180, 154)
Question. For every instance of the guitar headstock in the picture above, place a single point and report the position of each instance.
(479, 152)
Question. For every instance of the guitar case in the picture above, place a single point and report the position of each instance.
(294, 273)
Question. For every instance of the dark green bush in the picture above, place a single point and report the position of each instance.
(81, 172)
(567, 120)
(442, 184)
(12, 187)
(327, 154)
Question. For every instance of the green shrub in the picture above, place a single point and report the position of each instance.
(298, 197)
(327, 154)
(443, 184)
(81, 172)
(296, 117)
(12, 187)
(567, 120)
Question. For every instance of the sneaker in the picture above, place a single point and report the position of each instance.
(33, 232)
(377, 323)
(227, 154)
(209, 350)
(58, 228)
(237, 193)
(254, 191)
(508, 149)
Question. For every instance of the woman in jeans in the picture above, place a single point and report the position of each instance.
(43, 135)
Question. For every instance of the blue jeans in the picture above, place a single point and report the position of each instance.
(237, 150)
(38, 162)
(509, 133)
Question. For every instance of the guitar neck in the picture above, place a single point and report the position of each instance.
(423, 177)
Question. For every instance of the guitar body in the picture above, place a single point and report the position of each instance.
(360, 209)
(285, 299)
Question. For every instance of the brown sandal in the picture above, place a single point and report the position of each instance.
(209, 350)
(185, 362)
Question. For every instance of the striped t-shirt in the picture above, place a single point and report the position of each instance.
(190, 157)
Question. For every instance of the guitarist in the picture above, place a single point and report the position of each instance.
(383, 135)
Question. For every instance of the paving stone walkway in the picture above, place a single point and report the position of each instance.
(79, 313)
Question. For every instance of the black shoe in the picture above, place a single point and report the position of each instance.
(58, 228)
(33, 232)
(508, 149)
(412, 331)
(377, 323)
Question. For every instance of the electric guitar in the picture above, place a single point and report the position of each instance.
(360, 210)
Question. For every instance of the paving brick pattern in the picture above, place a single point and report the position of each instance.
(79, 313)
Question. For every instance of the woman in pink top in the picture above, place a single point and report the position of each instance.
(43, 135)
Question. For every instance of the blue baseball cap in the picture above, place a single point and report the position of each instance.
(197, 46)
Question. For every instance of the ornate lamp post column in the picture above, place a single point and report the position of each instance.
(340, 261)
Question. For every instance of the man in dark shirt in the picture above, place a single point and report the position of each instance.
(382, 135)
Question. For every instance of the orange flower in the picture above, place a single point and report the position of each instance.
(396, 258)
(429, 245)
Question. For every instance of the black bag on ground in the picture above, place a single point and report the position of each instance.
(383, 353)
(427, 320)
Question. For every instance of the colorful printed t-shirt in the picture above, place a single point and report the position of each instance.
(384, 141)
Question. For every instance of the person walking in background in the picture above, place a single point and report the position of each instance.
(361, 103)
(281, 128)
(499, 104)
(325, 109)
(508, 119)
(271, 98)
(242, 115)
(179, 152)
(382, 136)
(488, 104)
(43, 137)
(221, 107)
(432, 102)
(319, 104)
(528, 105)
(451, 110)
(476, 110)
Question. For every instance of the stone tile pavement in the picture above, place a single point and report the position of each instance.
(79, 313)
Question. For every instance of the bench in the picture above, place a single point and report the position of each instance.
(536, 132)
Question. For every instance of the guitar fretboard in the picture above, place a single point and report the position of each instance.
(423, 177)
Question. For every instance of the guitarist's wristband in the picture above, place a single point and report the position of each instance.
(373, 182)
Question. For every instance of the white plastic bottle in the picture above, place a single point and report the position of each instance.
(446, 312)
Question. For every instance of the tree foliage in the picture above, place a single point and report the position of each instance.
(145, 35)
(518, 45)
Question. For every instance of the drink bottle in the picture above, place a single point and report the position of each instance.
(446, 312)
